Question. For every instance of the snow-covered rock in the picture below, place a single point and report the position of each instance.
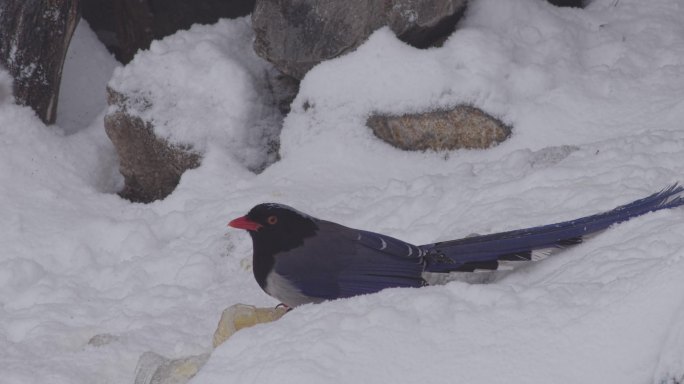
(153, 120)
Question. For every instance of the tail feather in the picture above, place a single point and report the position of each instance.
(485, 252)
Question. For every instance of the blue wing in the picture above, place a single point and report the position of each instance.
(343, 262)
(387, 262)
(485, 252)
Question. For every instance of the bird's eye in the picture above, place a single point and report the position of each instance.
(272, 220)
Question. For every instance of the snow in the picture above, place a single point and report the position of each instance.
(206, 67)
(89, 281)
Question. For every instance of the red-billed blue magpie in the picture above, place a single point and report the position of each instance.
(300, 259)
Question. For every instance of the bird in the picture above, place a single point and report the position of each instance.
(299, 259)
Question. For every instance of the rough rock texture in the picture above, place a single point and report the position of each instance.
(151, 166)
(126, 26)
(153, 368)
(461, 127)
(34, 37)
(284, 89)
(239, 316)
(424, 23)
(295, 35)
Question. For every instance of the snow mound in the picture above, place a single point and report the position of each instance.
(205, 88)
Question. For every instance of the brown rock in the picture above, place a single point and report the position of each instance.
(150, 165)
(34, 37)
(461, 127)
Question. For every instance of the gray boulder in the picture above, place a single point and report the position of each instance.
(34, 37)
(154, 368)
(127, 26)
(424, 23)
(150, 165)
(295, 35)
(461, 127)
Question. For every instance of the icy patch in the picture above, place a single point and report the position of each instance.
(87, 69)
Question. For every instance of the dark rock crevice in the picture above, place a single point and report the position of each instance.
(463, 126)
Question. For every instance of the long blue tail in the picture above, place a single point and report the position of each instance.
(485, 252)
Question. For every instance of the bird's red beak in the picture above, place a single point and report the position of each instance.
(245, 223)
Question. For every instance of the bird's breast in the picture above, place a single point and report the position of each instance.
(287, 292)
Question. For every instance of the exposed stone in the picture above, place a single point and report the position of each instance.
(424, 23)
(153, 368)
(239, 316)
(102, 339)
(568, 3)
(150, 165)
(126, 26)
(295, 35)
(34, 37)
(284, 89)
(461, 127)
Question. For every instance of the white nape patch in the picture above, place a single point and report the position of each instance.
(281, 288)
(410, 250)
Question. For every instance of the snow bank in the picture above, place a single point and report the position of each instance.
(88, 281)
(204, 87)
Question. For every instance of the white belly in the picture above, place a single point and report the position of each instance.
(280, 288)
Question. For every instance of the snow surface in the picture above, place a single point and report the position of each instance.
(88, 281)
(206, 68)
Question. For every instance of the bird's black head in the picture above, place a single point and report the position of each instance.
(276, 227)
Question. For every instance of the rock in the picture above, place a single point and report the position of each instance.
(150, 165)
(102, 339)
(239, 316)
(549, 156)
(153, 368)
(424, 23)
(284, 89)
(127, 26)
(295, 35)
(461, 127)
(568, 3)
(34, 37)
(5, 87)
